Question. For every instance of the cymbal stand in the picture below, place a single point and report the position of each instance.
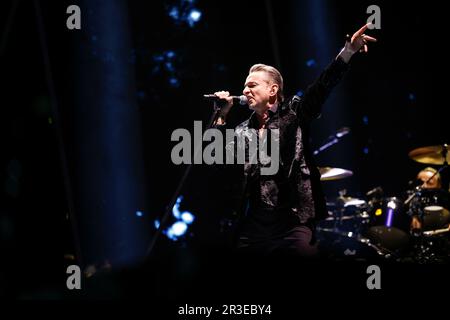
(444, 165)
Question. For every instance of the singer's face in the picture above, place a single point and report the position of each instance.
(258, 90)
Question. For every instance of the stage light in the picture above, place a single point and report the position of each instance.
(184, 12)
(176, 208)
(177, 230)
(187, 217)
(169, 66)
(139, 213)
(158, 58)
(181, 225)
(165, 64)
(174, 82)
(310, 63)
(170, 54)
(365, 120)
(194, 17)
(174, 13)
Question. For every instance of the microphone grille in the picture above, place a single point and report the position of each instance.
(243, 100)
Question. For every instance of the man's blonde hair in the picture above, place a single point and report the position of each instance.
(433, 171)
(274, 74)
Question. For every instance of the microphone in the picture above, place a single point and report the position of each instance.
(242, 100)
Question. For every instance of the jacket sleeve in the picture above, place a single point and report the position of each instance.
(310, 105)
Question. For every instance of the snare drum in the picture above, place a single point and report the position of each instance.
(345, 215)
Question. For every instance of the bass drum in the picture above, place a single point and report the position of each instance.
(389, 225)
(341, 246)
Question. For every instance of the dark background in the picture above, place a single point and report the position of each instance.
(393, 99)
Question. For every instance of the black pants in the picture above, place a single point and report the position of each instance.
(298, 241)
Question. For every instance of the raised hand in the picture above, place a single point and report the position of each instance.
(359, 40)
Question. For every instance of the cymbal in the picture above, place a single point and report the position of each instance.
(431, 154)
(329, 173)
(349, 201)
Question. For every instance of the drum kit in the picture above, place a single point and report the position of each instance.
(380, 227)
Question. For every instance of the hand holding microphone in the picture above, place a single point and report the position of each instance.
(225, 101)
(242, 100)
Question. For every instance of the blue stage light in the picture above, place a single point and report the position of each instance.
(194, 17)
(180, 227)
(184, 12)
(158, 58)
(176, 208)
(169, 67)
(177, 230)
(174, 13)
(187, 217)
(365, 120)
(311, 62)
(174, 82)
(170, 54)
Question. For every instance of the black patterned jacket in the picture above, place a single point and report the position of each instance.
(296, 185)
